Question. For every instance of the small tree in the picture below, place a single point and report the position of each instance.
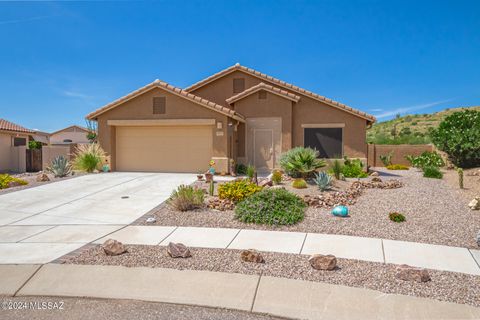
(459, 136)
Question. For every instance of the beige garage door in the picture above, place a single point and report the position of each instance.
(163, 149)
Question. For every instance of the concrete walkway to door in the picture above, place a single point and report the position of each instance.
(41, 224)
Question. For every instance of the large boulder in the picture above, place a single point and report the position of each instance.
(178, 250)
(265, 182)
(323, 262)
(251, 256)
(113, 247)
(475, 204)
(408, 273)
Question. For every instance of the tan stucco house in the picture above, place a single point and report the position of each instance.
(13, 143)
(237, 113)
(69, 135)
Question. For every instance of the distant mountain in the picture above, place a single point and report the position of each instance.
(409, 129)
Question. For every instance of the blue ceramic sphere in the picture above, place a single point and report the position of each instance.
(340, 211)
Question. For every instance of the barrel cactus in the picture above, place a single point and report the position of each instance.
(323, 180)
(60, 167)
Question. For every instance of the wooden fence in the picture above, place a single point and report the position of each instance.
(399, 152)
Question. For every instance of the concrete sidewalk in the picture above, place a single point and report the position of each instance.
(437, 257)
(276, 296)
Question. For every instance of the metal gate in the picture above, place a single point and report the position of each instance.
(34, 160)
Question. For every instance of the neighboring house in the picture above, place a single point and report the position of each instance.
(69, 135)
(238, 113)
(13, 142)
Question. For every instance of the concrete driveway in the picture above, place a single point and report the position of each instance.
(41, 224)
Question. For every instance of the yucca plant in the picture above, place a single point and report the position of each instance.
(301, 162)
(88, 157)
(60, 167)
(323, 180)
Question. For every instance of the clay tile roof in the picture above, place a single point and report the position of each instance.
(282, 84)
(266, 87)
(10, 126)
(174, 90)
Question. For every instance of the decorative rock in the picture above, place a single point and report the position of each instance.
(408, 273)
(323, 262)
(113, 247)
(475, 204)
(151, 220)
(478, 238)
(265, 182)
(374, 174)
(277, 187)
(340, 211)
(178, 250)
(13, 184)
(251, 255)
(376, 179)
(220, 204)
(42, 177)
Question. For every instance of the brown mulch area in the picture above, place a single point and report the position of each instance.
(446, 286)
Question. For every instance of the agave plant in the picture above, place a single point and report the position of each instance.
(60, 167)
(323, 180)
(88, 157)
(301, 162)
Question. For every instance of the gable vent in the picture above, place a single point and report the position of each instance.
(159, 104)
(238, 85)
(262, 94)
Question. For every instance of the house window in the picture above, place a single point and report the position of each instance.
(262, 94)
(159, 104)
(19, 142)
(67, 141)
(238, 85)
(327, 141)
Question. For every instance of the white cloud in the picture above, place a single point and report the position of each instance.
(376, 109)
(409, 109)
(74, 94)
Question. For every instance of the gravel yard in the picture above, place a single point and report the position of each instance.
(446, 286)
(471, 183)
(434, 211)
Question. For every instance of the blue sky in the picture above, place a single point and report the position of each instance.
(62, 60)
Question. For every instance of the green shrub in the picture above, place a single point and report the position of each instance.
(397, 167)
(34, 145)
(353, 168)
(300, 162)
(6, 180)
(323, 180)
(250, 172)
(237, 190)
(60, 167)
(432, 172)
(337, 169)
(272, 207)
(276, 177)
(459, 136)
(186, 198)
(387, 159)
(88, 157)
(426, 159)
(299, 183)
(397, 217)
(241, 169)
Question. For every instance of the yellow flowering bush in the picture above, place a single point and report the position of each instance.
(237, 190)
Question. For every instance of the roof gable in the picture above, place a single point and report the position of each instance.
(266, 87)
(74, 126)
(283, 84)
(171, 89)
(10, 126)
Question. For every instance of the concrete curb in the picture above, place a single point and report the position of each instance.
(276, 296)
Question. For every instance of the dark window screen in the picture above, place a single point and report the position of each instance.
(238, 85)
(19, 142)
(159, 104)
(328, 141)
